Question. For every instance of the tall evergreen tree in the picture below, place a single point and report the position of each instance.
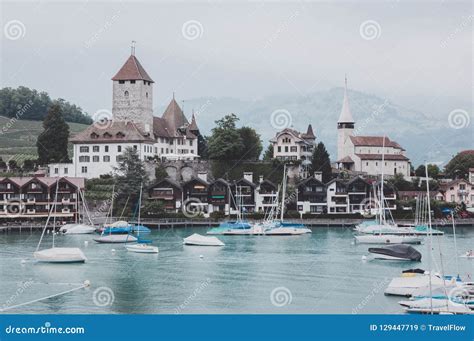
(52, 143)
(320, 162)
(130, 174)
(202, 147)
(268, 155)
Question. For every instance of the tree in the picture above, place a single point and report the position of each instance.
(52, 143)
(433, 171)
(160, 172)
(12, 164)
(202, 147)
(252, 145)
(320, 162)
(458, 166)
(130, 174)
(225, 142)
(3, 164)
(268, 155)
(28, 165)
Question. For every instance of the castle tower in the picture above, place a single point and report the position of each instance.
(345, 127)
(132, 95)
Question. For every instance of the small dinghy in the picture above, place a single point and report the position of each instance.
(60, 255)
(77, 229)
(387, 239)
(199, 240)
(468, 254)
(396, 252)
(115, 238)
(142, 248)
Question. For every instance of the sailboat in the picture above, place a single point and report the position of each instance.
(109, 237)
(142, 246)
(275, 227)
(57, 254)
(79, 227)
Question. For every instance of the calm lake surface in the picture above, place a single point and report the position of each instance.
(318, 273)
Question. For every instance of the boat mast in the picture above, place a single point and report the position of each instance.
(139, 209)
(47, 220)
(382, 198)
(283, 194)
(455, 243)
(430, 234)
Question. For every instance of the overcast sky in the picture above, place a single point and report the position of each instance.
(244, 50)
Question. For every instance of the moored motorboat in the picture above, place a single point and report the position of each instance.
(142, 248)
(387, 239)
(115, 238)
(396, 252)
(435, 306)
(77, 229)
(199, 240)
(411, 281)
(60, 255)
(228, 226)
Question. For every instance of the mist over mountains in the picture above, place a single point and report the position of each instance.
(426, 137)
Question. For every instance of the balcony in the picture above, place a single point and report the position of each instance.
(31, 200)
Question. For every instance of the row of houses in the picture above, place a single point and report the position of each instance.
(32, 197)
(310, 196)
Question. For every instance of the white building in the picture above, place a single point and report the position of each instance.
(290, 144)
(364, 153)
(97, 149)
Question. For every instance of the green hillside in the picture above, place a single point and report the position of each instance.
(18, 140)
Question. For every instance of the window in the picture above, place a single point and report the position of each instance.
(190, 142)
(121, 82)
(132, 82)
(65, 170)
(147, 95)
(462, 187)
(294, 149)
(106, 149)
(366, 163)
(279, 149)
(84, 169)
(106, 158)
(452, 197)
(95, 149)
(376, 163)
(135, 147)
(84, 158)
(84, 149)
(119, 148)
(162, 151)
(56, 170)
(156, 150)
(125, 94)
(286, 149)
(95, 158)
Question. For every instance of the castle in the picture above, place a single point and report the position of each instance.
(132, 124)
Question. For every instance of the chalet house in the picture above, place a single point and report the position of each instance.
(312, 195)
(196, 193)
(168, 192)
(219, 196)
(266, 196)
(24, 198)
(243, 192)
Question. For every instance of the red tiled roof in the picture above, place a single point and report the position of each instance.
(132, 70)
(346, 159)
(379, 157)
(48, 181)
(112, 131)
(375, 141)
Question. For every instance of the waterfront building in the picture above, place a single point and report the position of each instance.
(26, 198)
(364, 153)
(167, 192)
(290, 144)
(219, 196)
(243, 192)
(312, 195)
(196, 194)
(97, 149)
(458, 191)
(266, 196)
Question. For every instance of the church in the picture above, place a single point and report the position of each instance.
(365, 153)
(97, 149)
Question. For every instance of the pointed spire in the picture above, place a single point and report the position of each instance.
(132, 69)
(133, 47)
(309, 132)
(346, 115)
(193, 126)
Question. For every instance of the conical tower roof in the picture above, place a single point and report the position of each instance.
(193, 126)
(174, 116)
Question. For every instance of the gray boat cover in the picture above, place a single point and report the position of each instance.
(398, 250)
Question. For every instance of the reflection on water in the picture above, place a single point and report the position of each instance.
(319, 273)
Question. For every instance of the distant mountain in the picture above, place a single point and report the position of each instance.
(425, 137)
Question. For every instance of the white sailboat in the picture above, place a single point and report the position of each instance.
(109, 238)
(57, 254)
(80, 227)
(141, 246)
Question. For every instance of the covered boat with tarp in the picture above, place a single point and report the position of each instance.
(396, 252)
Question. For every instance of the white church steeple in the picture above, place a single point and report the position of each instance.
(345, 127)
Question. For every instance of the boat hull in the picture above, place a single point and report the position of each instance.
(115, 238)
(142, 248)
(60, 255)
(387, 239)
(198, 240)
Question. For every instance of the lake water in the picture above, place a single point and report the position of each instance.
(318, 273)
